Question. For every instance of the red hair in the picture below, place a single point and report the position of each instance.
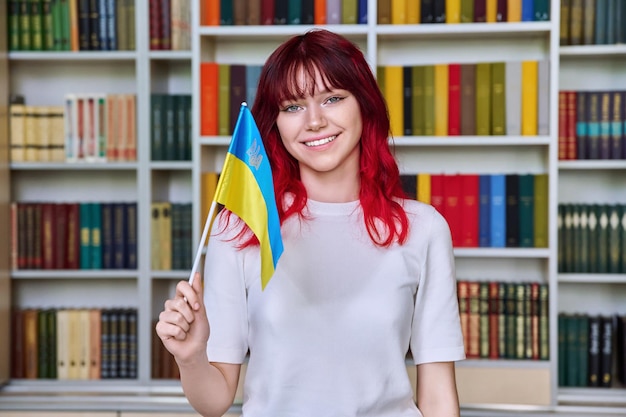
(342, 66)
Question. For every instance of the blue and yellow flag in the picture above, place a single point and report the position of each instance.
(246, 188)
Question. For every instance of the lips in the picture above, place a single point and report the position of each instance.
(320, 142)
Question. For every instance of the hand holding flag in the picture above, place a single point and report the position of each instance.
(246, 188)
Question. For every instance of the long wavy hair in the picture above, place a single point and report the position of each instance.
(342, 66)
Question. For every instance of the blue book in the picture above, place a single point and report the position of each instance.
(253, 72)
(362, 12)
(85, 235)
(528, 10)
(130, 235)
(484, 210)
(498, 211)
(96, 236)
(601, 17)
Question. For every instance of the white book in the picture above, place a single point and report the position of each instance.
(543, 97)
(513, 100)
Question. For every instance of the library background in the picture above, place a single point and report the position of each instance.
(509, 116)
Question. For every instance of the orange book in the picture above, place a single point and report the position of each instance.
(95, 353)
(208, 98)
(131, 136)
(211, 12)
(514, 11)
(319, 14)
(73, 5)
(30, 343)
(441, 99)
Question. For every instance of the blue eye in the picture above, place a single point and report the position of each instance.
(291, 108)
(334, 99)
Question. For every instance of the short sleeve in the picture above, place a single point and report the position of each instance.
(225, 296)
(436, 331)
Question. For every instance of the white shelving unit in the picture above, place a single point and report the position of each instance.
(487, 387)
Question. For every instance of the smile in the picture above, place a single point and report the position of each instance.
(320, 142)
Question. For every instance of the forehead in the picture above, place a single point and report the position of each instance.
(305, 81)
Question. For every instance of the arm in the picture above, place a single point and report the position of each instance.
(436, 390)
(184, 330)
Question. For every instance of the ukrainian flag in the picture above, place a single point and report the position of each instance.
(246, 188)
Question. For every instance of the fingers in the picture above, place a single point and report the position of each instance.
(166, 329)
(192, 294)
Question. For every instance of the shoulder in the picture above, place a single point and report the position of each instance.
(424, 217)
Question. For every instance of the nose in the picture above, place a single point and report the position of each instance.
(315, 118)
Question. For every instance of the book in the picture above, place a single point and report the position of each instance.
(529, 98)
(512, 210)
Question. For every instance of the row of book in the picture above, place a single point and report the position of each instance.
(88, 128)
(592, 124)
(488, 98)
(223, 87)
(487, 210)
(73, 343)
(592, 238)
(71, 25)
(592, 350)
(597, 22)
(462, 11)
(170, 134)
(170, 25)
(504, 320)
(86, 235)
(163, 364)
(170, 236)
(284, 12)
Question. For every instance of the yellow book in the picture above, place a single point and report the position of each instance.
(84, 344)
(398, 11)
(514, 11)
(18, 132)
(395, 98)
(441, 100)
(453, 11)
(62, 346)
(223, 118)
(73, 344)
(429, 100)
(423, 187)
(155, 238)
(492, 10)
(529, 98)
(413, 12)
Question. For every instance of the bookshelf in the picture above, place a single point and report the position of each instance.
(486, 387)
(5, 278)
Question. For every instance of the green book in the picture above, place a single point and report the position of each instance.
(526, 207)
(418, 108)
(562, 347)
(542, 10)
(583, 239)
(157, 129)
(223, 91)
(613, 239)
(483, 314)
(602, 241)
(574, 242)
(467, 11)
(349, 12)
(43, 356)
(511, 324)
(592, 225)
(47, 25)
(483, 99)
(582, 350)
(568, 238)
(622, 233)
(227, 13)
(498, 99)
(13, 12)
(25, 25)
(571, 354)
(36, 25)
(560, 221)
(540, 210)
(64, 29)
(544, 322)
(429, 100)
(294, 12)
(520, 320)
(96, 236)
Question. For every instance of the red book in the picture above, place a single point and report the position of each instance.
(454, 99)
(155, 25)
(72, 260)
(211, 12)
(267, 12)
(570, 125)
(452, 206)
(436, 192)
(480, 11)
(562, 125)
(494, 315)
(469, 211)
(48, 233)
(60, 237)
(209, 77)
(462, 289)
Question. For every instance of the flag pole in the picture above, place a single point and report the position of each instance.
(205, 232)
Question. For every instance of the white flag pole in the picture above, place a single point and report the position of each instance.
(205, 232)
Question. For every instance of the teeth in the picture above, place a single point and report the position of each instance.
(320, 141)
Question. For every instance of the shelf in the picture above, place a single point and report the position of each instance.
(502, 252)
(276, 31)
(586, 278)
(170, 55)
(74, 274)
(171, 165)
(596, 164)
(165, 275)
(76, 166)
(609, 397)
(592, 51)
(416, 141)
(472, 29)
(55, 56)
(504, 363)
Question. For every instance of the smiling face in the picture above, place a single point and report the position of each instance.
(322, 130)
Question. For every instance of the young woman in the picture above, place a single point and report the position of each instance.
(365, 277)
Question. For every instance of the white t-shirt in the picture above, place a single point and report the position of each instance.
(329, 334)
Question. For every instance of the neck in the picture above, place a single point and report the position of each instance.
(328, 188)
